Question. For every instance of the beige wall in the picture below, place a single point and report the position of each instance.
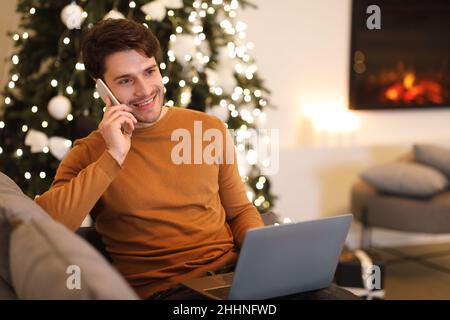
(8, 22)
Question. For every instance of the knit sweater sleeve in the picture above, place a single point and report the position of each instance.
(78, 185)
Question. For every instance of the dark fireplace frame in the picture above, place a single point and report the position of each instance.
(359, 17)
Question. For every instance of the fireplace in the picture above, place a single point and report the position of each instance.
(404, 64)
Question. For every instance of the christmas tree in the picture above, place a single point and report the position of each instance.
(50, 101)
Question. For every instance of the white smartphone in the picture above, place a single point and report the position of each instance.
(104, 92)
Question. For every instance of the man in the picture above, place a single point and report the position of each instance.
(162, 221)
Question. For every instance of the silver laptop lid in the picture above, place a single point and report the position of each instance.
(292, 258)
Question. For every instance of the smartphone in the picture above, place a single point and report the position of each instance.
(104, 92)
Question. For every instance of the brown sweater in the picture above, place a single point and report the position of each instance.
(161, 222)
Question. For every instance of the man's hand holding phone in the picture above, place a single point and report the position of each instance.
(116, 128)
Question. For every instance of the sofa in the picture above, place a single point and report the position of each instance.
(42, 259)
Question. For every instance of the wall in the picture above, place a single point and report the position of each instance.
(8, 21)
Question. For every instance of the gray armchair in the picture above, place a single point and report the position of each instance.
(377, 209)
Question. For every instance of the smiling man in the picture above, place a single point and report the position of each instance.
(162, 222)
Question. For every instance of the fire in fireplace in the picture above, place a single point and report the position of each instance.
(405, 64)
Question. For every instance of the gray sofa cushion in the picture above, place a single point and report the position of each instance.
(6, 291)
(13, 205)
(434, 156)
(407, 179)
(42, 252)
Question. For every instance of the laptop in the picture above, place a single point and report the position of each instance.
(276, 261)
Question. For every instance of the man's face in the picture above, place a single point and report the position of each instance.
(135, 80)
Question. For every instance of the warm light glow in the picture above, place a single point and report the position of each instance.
(408, 81)
(331, 118)
(287, 220)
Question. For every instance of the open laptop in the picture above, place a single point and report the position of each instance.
(281, 260)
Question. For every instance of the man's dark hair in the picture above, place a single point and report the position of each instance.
(115, 35)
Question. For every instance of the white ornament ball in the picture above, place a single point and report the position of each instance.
(72, 16)
(226, 79)
(223, 78)
(59, 107)
(182, 46)
(114, 14)
(220, 112)
(212, 77)
(155, 9)
(58, 146)
(37, 140)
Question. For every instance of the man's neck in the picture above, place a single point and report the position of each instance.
(163, 111)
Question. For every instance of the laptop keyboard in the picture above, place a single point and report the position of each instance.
(221, 293)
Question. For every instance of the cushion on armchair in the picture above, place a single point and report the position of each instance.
(405, 179)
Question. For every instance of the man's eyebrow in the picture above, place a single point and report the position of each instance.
(130, 74)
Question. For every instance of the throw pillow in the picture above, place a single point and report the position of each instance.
(407, 179)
